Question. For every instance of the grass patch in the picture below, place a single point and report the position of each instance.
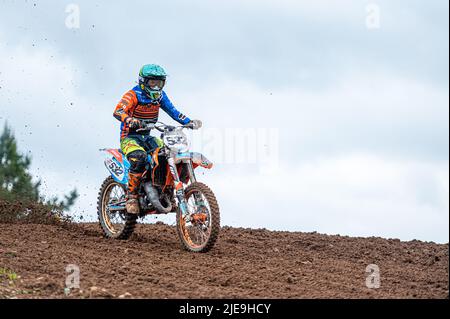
(8, 274)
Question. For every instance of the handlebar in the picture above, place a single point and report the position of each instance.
(162, 127)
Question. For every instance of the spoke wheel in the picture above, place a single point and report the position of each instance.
(114, 223)
(199, 229)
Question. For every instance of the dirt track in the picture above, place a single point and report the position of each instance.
(245, 263)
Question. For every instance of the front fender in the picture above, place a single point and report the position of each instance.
(198, 159)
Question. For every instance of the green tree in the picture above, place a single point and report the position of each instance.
(15, 180)
(66, 203)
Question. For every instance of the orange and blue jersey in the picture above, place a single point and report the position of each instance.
(135, 103)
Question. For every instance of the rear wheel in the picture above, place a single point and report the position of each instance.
(199, 229)
(115, 223)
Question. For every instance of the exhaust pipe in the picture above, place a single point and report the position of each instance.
(153, 197)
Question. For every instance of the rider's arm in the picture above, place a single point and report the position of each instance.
(170, 109)
(125, 106)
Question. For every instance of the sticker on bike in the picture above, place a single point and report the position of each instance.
(116, 170)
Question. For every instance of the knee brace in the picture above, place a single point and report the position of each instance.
(138, 160)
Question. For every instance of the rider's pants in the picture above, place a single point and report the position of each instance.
(135, 148)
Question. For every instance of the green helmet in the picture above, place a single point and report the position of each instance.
(152, 79)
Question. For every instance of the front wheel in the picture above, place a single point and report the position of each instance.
(199, 229)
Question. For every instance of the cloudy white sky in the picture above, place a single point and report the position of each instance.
(358, 115)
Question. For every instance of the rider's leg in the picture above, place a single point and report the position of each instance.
(137, 157)
(137, 161)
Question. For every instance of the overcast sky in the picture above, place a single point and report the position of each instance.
(356, 103)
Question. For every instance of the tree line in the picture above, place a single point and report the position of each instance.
(16, 182)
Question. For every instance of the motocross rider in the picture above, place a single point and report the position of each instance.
(142, 103)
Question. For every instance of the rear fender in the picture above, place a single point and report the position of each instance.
(117, 165)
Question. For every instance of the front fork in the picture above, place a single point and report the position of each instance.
(179, 190)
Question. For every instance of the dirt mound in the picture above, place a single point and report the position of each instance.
(245, 263)
(30, 212)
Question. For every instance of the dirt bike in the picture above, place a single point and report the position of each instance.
(169, 185)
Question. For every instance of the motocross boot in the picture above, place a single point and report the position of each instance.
(132, 204)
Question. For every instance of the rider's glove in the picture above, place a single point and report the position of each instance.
(195, 124)
(133, 123)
